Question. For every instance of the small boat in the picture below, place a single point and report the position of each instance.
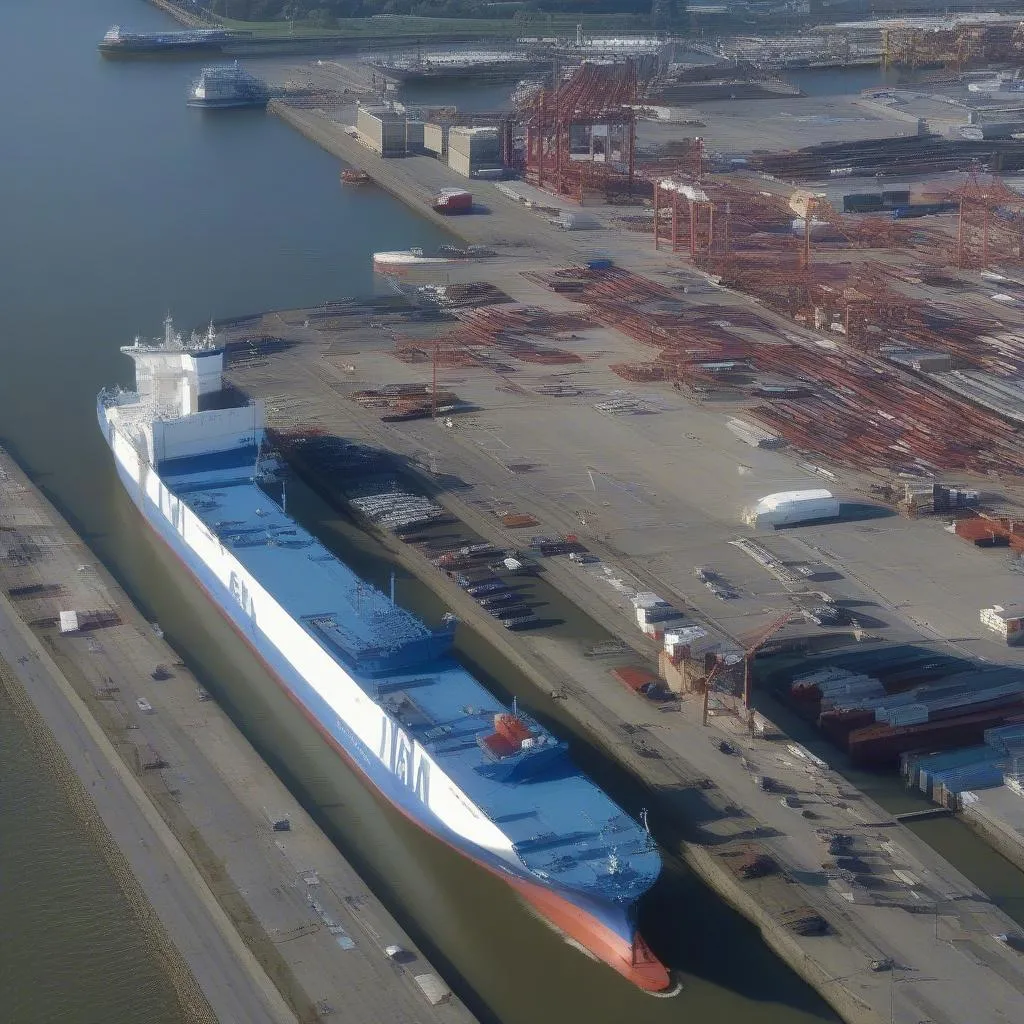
(353, 176)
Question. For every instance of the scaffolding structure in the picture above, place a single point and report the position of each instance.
(990, 224)
(581, 135)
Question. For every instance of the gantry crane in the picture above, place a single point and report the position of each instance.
(750, 649)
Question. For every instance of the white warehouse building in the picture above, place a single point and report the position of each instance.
(787, 508)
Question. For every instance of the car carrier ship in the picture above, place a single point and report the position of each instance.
(382, 687)
(117, 42)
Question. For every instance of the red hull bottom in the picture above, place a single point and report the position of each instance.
(635, 963)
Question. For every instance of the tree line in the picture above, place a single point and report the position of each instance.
(326, 12)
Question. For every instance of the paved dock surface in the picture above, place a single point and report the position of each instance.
(936, 926)
(309, 922)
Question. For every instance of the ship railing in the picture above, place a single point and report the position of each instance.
(117, 396)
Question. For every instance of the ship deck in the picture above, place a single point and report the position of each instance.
(559, 822)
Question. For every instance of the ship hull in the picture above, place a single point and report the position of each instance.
(175, 49)
(605, 929)
(235, 104)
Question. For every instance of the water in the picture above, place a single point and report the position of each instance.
(844, 81)
(121, 203)
(70, 949)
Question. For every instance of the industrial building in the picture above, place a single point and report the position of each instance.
(790, 507)
(382, 130)
(414, 137)
(435, 140)
(475, 152)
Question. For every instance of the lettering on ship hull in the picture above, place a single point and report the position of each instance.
(240, 592)
(398, 752)
(177, 519)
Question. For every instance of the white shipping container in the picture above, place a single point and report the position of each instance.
(570, 220)
(684, 635)
(656, 613)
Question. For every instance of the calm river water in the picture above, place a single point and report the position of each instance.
(120, 203)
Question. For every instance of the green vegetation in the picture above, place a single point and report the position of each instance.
(422, 18)
(397, 28)
(324, 13)
(423, 28)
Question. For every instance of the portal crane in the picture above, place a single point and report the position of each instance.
(750, 649)
(755, 645)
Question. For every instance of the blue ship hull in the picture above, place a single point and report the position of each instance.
(613, 923)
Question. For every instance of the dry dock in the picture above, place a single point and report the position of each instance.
(258, 925)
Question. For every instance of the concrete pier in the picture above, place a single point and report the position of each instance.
(914, 909)
(260, 926)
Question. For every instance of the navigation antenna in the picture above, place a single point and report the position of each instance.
(515, 706)
(644, 821)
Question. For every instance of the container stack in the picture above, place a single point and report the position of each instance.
(928, 498)
(876, 722)
(946, 776)
(654, 615)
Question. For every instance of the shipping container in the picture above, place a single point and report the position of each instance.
(460, 163)
(414, 137)
(382, 130)
(896, 197)
(922, 210)
(571, 220)
(453, 200)
(862, 202)
(435, 139)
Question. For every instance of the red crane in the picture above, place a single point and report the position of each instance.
(750, 648)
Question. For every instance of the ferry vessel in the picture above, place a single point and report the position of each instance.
(228, 86)
(381, 686)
